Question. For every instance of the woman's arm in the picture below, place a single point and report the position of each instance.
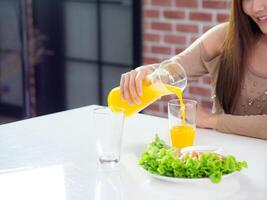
(194, 58)
(249, 125)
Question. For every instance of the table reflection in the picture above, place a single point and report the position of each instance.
(33, 183)
(108, 183)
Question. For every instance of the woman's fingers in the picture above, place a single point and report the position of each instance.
(126, 93)
(139, 81)
(122, 86)
(132, 86)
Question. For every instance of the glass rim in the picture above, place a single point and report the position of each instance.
(109, 108)
(176, 102)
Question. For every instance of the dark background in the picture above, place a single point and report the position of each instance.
(86, 46)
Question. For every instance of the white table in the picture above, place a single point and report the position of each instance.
(54, 158)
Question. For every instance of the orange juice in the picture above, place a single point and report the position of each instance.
(182, 136)
(151, 92)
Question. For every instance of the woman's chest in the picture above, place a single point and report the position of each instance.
(258, 59)
(253, 97)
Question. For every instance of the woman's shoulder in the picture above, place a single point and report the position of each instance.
(212, 41)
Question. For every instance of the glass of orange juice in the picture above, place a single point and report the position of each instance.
(182, 122)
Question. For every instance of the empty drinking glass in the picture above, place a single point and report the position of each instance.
(108, 124)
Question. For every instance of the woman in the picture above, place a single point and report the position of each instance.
(234, 54)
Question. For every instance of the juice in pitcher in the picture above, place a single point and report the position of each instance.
(151, 92)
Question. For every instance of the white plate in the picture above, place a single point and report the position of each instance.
(202, 149)
(186, 180)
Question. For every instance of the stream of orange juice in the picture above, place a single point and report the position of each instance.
(181, 135)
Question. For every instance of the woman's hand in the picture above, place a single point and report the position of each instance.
(131, 83)
(206, 119)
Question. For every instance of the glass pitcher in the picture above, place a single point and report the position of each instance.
(171, 73)
(168, 78)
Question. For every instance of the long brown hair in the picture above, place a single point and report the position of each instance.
(241, 34)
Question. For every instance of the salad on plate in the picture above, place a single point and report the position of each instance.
(162, 160)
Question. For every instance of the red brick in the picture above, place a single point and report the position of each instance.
(207, 27)
(188, 96)
(206, 104)
(187, 3)
(151, 37)
(178, 50)
(174, 14)
(161, 26)
(206, 80)
(168, 97)
(215, 4)
(161, 2)
(153, 106)
(146, 49)
(199, 91)
(165, 108)
(200, 16)
(174, 39)
(146, 26)
(192, 81)
(146, 2)
(193, 39)
(161, 50)
(151, 13)
(149, 60)
(222, 17)
(187, 28)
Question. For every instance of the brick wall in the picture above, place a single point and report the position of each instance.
(169, 26)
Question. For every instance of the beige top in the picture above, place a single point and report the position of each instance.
(250, 116)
